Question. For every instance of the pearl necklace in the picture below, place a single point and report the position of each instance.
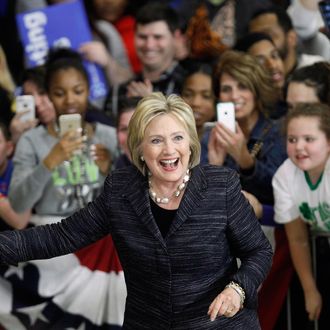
(177, 192)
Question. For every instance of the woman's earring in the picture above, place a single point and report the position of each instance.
(142, 159)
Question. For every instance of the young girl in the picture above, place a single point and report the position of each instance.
(46, 162)
(302, 201)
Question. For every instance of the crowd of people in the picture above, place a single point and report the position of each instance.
(152, 214)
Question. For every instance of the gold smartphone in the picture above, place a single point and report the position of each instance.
(69, 122)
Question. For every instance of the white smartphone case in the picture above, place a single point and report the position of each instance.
(25, 103)
(226, 114)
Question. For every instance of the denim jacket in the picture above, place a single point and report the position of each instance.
(257, 180)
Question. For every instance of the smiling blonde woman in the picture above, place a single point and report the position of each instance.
(179, 249)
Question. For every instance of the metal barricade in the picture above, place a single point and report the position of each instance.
(314, 235)
(288, 311)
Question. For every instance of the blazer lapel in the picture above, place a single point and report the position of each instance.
(193, 195)
(138, 195)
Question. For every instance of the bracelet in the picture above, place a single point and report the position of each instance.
(238, 289)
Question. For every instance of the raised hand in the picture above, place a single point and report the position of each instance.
(18, 127)
(139, 88)
(235, 145)
(102, 157)
(216, 152)
(71, 143)
(95, 51)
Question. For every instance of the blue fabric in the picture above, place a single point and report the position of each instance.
(258, 181)
(4, 186)
(280, 110)
(175, 4)
(5, 178)
(170, 281)
(267, 218)
(204, 149)
(3, 7)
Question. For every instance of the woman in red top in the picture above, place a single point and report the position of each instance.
(120, 14)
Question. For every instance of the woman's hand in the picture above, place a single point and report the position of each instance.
(65, 149)
(235, 145)
(227, 303)
(102, 157)
(18, 127)
(12, 218)
(313, 304)
(216, 152)
(95, 51)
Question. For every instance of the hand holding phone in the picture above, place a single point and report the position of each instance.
(226, 114)
(25, 104)
(69, 122)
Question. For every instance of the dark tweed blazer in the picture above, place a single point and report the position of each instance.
(170, 282)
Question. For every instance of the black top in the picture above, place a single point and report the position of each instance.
(122, 161)
(163, 217)
(6, 114)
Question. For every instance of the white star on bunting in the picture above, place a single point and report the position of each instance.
(34, 312)
(19, 271)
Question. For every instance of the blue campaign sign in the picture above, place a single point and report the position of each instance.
(60, 25)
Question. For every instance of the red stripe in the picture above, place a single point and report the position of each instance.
(274, 290)
(100, 255)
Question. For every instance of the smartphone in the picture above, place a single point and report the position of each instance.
(25, 103)
(324, 7)
(69, 122)
(226, 114)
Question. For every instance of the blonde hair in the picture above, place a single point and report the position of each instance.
(149, 108)
(249, 72)
(6, 80)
